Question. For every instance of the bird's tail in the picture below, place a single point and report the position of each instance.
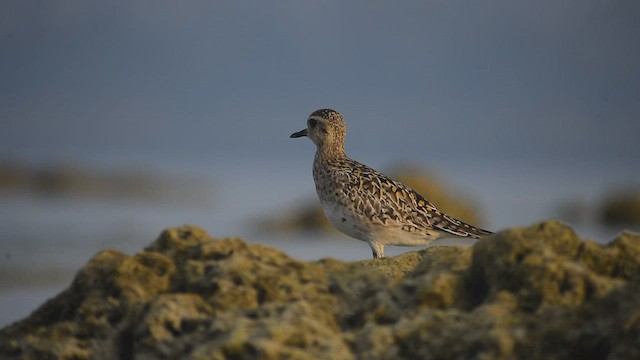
(462, 229)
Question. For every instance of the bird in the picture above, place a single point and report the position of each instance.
(367, 205)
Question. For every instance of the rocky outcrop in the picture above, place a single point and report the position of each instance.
(533, 293)
(66, 180)
(621, 209)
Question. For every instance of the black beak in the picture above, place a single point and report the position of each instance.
(298, 134)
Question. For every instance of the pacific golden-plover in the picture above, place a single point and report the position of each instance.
(367, 205)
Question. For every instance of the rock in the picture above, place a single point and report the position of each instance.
(532, 293)
(309, 216)
(622, 208)
(63, 180)
(305, 217)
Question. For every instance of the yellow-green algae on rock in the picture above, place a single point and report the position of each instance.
(530, 293)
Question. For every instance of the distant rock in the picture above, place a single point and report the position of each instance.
(63, 180)
(525, 293)
(621, 209)
(309, 216)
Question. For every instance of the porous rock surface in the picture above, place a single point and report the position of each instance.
(531, 293)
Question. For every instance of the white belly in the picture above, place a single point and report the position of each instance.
(346, 221)
(359, 227)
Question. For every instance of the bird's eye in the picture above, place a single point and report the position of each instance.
(313, 123)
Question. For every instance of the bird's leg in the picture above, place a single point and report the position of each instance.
(377, 249)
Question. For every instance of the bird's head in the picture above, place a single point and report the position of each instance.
(326, 128)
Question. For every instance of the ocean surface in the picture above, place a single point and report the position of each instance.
(46, 239)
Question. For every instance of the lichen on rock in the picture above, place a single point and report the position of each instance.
(538, 292)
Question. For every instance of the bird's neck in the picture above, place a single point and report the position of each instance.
(328, 153)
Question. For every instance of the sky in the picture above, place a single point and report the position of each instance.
(90, 80)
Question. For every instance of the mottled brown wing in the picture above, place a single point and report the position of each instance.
(385, 201)
(446, 223)
(390, 202)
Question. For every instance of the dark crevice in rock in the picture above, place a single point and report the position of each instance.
(125, 344)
